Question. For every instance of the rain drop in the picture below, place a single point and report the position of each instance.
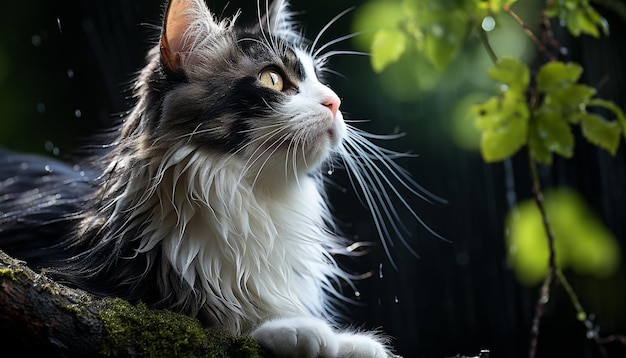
(47, 168)
(77, 113)
(59, 25)
(437, 30)
(462, 258)
(395, 299)
(36, 40)
(41, 107)
(70, 73)
(49, 146)
(488, 24)
(380, 270)
(357, 294)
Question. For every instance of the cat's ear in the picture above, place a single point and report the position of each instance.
(180, 30)
(277, 19)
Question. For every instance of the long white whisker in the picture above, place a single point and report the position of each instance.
(328, 25)
(341, 52)
(335, 41)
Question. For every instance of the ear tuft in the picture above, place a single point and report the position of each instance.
(278, 20)
(185, 22)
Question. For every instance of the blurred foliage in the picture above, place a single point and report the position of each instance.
(578, 16)
(416, 45)
(507, 123)
(581, 240)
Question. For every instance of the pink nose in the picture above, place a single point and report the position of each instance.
(332, 102)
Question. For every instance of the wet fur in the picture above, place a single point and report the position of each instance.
(211, 200)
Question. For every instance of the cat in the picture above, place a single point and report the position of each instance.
(210, 199)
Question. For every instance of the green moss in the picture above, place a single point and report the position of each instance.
(142, 332)
(7, 273)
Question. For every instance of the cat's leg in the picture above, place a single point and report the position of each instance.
(305, 337)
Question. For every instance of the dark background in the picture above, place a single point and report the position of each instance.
(65, 72)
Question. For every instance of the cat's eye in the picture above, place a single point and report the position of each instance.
(272, 79)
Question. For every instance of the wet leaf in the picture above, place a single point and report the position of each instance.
(579, 17)
(387, 47)
(503, 121)
(550, 133)
(512, 72)
(605, 134)
(443, 38)
(556, 75)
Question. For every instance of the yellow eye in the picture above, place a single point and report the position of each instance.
(272, 79)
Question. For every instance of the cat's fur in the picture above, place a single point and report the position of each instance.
(211, 200)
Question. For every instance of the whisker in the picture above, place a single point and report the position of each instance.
(328, 25)
(342, 52)
(335, 41)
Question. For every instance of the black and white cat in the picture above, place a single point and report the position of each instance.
(210, 201)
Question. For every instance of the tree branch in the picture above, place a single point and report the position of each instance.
(40, 317)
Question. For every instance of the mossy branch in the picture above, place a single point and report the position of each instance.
(40, 317)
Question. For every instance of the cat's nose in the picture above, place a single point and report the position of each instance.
(332, 102)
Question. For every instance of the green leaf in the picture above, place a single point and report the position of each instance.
(582, 243)
(387, 47)
(579, 17)
(550, 133)
(373, 16)
(537, 147)
(617, 111)
(504, 124)
(443, 38)
(599, 131)
(512, 72)
(555, 75)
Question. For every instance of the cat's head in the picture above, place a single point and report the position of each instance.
(252, 93)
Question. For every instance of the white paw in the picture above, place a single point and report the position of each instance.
(297, 337)
(355, 345)
(308, 337)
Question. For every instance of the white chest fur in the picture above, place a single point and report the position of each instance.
(252, 253)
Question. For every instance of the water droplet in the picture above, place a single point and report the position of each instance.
(47, 168)
(70, 73)
(380, 270)
(357, 294)
(437, 30)
(77, 113)
(331, 171)
(581, 316)
(395, 299)
(41, 107)
(36, 40)
(504, 87)
(56, 151)
(59, 25)
(462, 258)
(488, 24)
(24, 166)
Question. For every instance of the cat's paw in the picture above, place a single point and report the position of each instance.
(308, 337)
(361, 345)
(297, 337)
